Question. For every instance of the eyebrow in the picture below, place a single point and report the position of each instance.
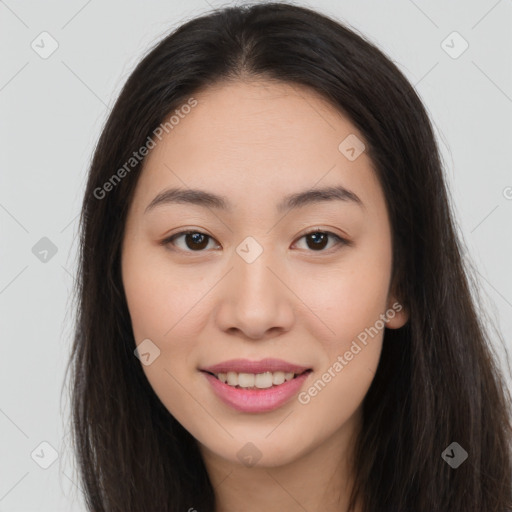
(291, 201)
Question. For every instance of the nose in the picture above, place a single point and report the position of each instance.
(255, 302)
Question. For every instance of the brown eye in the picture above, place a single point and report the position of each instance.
(195, 241)
(318, 240)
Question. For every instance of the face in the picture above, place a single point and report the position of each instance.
(257, 276)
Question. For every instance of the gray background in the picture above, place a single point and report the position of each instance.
(52, 111)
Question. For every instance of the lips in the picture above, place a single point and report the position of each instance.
(252, 399)
(256, 386)
(262, 366)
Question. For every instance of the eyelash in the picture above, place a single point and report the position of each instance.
(339, 240)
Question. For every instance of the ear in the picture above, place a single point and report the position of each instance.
(397, 314)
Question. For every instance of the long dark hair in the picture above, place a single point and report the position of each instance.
(438, 381)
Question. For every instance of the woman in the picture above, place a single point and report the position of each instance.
(273, 310)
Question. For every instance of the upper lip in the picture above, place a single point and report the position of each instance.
(262, 366)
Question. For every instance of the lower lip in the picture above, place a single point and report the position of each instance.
(257, 400)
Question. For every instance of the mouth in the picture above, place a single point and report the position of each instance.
(256, 386)
(263, 380)
(250, 374)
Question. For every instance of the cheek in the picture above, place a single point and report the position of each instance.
(163, 302)
(165, 308)
(350, 305)
(350, 297)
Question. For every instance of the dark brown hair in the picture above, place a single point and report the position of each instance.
(437, 381)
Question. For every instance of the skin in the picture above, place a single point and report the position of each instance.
(256, 141)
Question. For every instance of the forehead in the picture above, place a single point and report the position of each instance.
(276, 120)
(257, 139)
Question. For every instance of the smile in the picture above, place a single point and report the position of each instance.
(257, 391)
(255, 381)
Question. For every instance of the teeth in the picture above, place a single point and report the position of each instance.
(258, 380)
(263, 380)
(278, 378)
(246, 380)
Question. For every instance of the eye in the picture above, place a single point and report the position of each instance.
(317, 240)
(196, 241)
